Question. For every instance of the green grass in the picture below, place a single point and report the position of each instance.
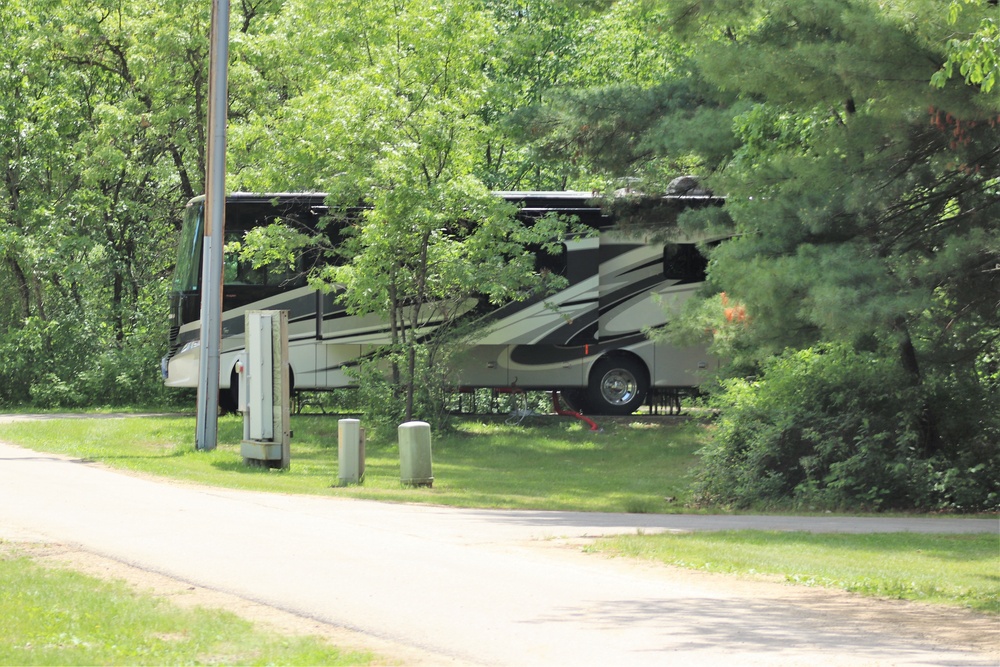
(555, 463)
(59, 617)
(959, 570)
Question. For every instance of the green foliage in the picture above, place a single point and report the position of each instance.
(84, 205)
(976, 53)
(545, 52)
(384, 402)
(829, 427)
(102, 142)
(276, 246)
(66, 363)
(406, 87)
(861, 204)
(425, 254)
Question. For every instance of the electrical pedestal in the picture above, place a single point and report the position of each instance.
(264, 391)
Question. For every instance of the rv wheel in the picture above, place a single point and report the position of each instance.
(617, 386)
(229, 399)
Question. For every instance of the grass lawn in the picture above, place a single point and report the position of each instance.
(550, 463)
(962, 570)
(59, 617)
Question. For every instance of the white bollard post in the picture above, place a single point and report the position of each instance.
(415, 454)
(350, 452)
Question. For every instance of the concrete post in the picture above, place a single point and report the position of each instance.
(350, 452)
(415, 454)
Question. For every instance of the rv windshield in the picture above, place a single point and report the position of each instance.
(188, 267)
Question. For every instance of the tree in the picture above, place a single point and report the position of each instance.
(862, 202)
(102, 145)
(389, 117)
(544, 48)
(976, 53)
(103, 142)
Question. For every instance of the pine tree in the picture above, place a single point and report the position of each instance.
(863, 202)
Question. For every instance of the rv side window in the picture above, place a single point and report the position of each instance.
(683, 262)
(237, 271)
(338, 229)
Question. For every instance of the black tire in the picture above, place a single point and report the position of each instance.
(617, 386)
(575, 399)
(229, 399)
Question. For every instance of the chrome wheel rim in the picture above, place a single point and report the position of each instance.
(619, 387)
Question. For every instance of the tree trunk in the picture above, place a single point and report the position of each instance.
(23, 289)
(117, 307)
(411, 364)
(930, 438)
(414, 321)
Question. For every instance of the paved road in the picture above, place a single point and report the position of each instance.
(469, 587)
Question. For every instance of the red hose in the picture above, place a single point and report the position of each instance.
(569, 413)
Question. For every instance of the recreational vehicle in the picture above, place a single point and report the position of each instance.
(588, 340)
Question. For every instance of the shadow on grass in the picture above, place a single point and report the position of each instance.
(244, 468)
(104, 458)
(177, 453)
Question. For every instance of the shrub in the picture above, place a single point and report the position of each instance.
(832, 427)
(383, 402)
(63, 364)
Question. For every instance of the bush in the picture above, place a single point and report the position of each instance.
(38, 362)
(831, 427)
(384, 403)
(63, 364)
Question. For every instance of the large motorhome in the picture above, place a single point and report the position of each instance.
(588, 340)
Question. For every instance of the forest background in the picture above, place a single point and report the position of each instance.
(857, 143)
